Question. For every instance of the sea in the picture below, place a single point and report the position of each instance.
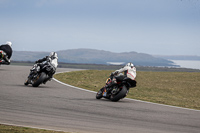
(194, 64)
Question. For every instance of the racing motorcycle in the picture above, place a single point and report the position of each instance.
(2, 56)
(40, 73)
(118, 91)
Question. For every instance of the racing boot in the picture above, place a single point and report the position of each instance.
(101, 90)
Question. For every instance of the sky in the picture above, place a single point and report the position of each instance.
(157, 27)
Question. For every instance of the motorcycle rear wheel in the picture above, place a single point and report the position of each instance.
(119, 95)
(40, 79)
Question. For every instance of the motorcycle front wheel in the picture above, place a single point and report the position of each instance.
(99, 95)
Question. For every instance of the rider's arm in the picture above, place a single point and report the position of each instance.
(122, 69)
(119, 71)
(41, 60)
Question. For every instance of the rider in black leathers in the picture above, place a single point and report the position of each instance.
(8, 50)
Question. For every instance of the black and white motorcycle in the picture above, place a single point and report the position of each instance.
(41, 73)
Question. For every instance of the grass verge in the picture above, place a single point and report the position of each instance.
(16, 129)
(171, 88)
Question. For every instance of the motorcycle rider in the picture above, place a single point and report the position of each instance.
(129, 72)
(52, 58)
(6, 52)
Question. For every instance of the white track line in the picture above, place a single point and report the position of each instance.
(124, 98)
(73, 86)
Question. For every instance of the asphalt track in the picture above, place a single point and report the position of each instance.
(59, 107)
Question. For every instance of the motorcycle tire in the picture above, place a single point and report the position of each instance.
(40, 80)
(99, 95)
(119, 95)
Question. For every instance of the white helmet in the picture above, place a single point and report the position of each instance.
(9, 43)
(130, 65)
(53, 55)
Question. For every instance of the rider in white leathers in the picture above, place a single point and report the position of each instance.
(52, 58)
(129, 72)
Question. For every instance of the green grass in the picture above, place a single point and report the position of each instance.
(172, 88)
(16, 129)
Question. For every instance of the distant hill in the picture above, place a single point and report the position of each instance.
(92, 56)
(178, 57)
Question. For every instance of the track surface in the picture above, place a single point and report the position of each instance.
(58, 107)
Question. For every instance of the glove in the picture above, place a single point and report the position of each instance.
(116, 72)
(112, 74)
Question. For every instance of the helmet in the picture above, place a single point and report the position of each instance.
(9, 43)
(53, 55)
(130, 65)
